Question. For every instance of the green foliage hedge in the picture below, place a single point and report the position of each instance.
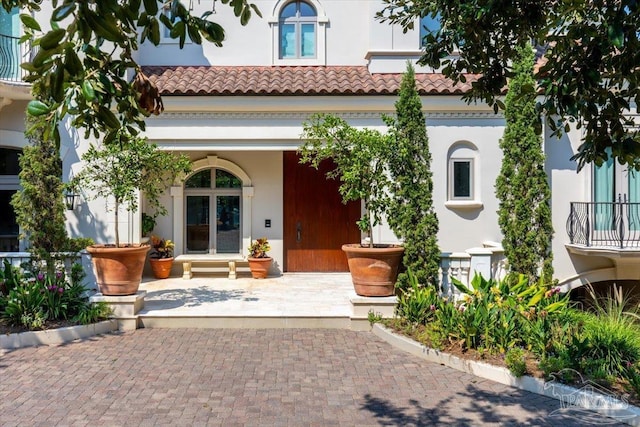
(601, 343)
(30, 298)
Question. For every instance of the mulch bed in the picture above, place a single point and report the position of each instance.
(417, 334)
(6, 328)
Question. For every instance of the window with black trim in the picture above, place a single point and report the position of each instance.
(461, 179)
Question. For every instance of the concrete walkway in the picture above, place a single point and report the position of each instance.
(262, 377)
(292, 294)
(292, 300)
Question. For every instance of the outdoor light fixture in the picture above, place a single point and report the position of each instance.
(70, 199)
(213, 9)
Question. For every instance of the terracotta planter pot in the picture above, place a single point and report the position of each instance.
(374, 270)
(259, 267)
(118, 271)
(161, 267)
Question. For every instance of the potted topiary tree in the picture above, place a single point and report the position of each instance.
(360, 157)
(119, 171)
(259, 261)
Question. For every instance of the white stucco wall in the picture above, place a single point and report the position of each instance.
(568, 185)
(12, 117)
(464, 227)
(351, 32)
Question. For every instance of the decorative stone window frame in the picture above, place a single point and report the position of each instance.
(177, 195)
(464, 151)
(321, 29)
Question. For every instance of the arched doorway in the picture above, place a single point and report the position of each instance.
(213, 212)
(214, 184)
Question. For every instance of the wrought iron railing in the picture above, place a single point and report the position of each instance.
(605, 224)
(12, 54)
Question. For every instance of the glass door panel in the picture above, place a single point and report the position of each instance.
(8, 225)
(228, 224)
(198, 224)
(633, 197)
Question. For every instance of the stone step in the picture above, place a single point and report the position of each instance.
(243, 322)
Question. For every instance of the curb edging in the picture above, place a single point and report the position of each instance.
(56, 336)
(621, 410)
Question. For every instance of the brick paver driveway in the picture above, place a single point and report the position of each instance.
(251, 377)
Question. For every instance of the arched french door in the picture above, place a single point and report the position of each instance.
(213, 212)
(214, 185)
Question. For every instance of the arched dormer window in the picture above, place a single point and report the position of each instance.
(298, 29)
(297, 23)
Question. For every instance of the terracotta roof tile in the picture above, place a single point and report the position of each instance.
(333, 80)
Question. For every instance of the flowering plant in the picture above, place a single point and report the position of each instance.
(162, 248)
(259, 248)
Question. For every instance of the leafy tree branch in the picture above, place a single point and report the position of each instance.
(588, 75)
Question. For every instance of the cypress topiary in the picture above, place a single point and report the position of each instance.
(522, 187)
(411, 215)
(38, 205)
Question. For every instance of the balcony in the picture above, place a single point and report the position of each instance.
(12, 86)
(609, 231)
(12, 54)
(614, 225)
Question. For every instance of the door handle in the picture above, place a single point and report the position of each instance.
(298, 232)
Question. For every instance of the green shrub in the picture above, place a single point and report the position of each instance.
(610, 339)
(76, 244)
(498, 315)
(611, 345)
(41, 296)
(558, 368)
(632, 375)
(445, 326)
(25, 305)
(417, 304)
(516, 361)
(92, 313)
(9, 279)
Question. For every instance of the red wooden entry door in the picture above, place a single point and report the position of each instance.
(316, 222)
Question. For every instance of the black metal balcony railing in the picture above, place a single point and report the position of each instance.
(12, 54)
(605, 224)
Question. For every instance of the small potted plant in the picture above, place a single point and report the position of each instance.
(161, 258)
(259, 261)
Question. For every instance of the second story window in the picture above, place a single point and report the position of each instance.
(298, 29)
(429, 25)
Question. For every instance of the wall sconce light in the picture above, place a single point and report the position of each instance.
(70, 199)
(213, 8)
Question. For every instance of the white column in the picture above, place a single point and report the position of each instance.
(177, 195)
(480, 261)
(247, 224)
